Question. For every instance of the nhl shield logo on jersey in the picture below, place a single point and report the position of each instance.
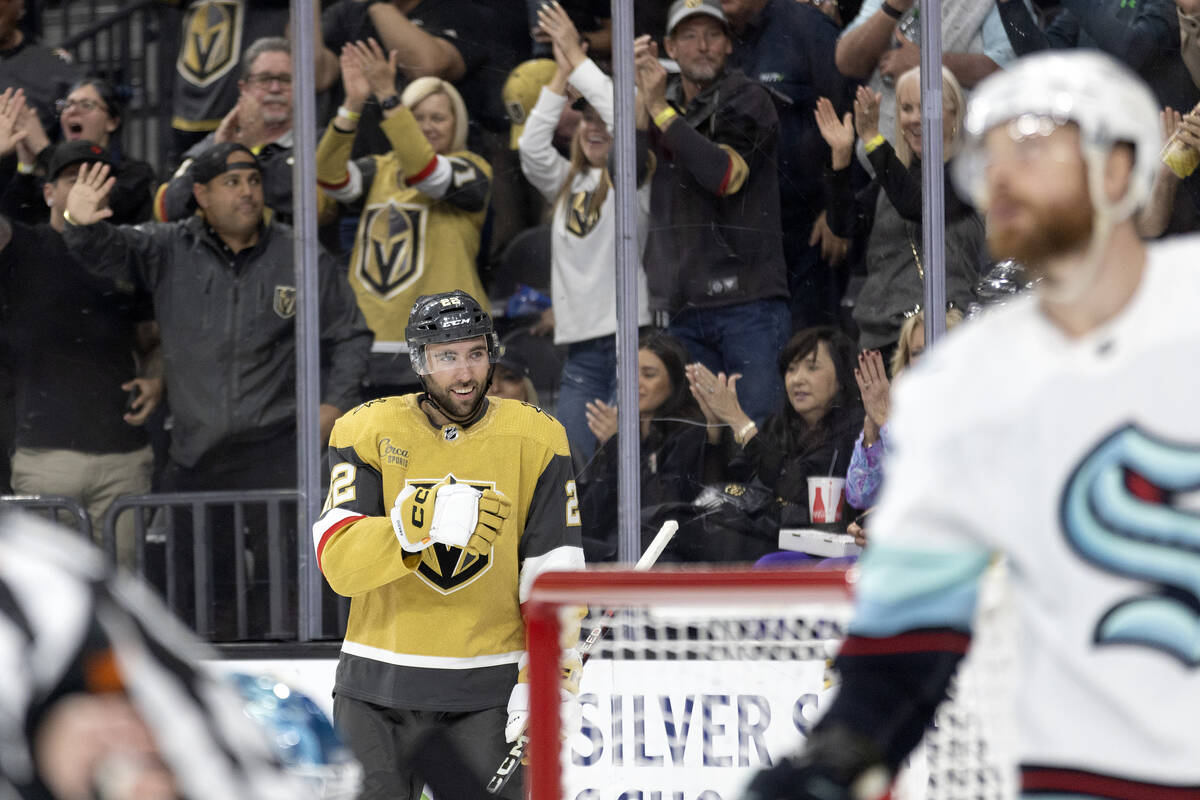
(1123, 510)
(284, 301)
(391, 248)
(212, 40)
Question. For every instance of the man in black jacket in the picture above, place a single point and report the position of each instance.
(223, 285)
(714, 255)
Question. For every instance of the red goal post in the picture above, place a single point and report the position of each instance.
(625, 588)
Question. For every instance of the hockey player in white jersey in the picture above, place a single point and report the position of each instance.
(1062, 430)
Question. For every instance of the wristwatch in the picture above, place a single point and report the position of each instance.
(388, 103)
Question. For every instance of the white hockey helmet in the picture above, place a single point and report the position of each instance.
(1108, 102)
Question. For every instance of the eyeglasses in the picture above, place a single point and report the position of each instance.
(83, 105)
(267, 78)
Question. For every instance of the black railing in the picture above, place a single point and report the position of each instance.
(225, 562)
(63, 510)
(134, 49)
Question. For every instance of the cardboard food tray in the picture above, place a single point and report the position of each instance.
(817, 542)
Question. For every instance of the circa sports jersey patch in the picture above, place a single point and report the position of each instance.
(212, 40)
(1124, 510)
(390, 255)
(284, 301)
(444, 568)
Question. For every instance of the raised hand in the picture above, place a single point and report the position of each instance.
(354, 80)
(649, 74)
(12, 102)
(88, 201)
(838, 134)
(230, 126)
(873, 383)
(35, 140)
(601, 420)
(554, 21)
(866, 113)
(899, 59)
(378, 67)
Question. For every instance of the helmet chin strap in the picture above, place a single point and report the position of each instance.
(1106, 215)
(476, 410)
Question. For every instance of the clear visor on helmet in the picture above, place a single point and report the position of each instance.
(1024, 141)
(451, 356)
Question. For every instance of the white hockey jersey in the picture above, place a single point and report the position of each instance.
(1080, 458)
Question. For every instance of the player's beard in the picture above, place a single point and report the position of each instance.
(453, 405)
(1054, 231)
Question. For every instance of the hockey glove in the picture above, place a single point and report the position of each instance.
(836, 764)
(493, 510)
(570, 713)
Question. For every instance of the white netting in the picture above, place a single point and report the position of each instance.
(685, 702)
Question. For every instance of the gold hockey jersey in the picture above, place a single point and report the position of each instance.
(408, 243)
(441, 630)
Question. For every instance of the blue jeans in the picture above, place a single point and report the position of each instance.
(745, 338)
(589, 373)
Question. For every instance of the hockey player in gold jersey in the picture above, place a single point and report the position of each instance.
(443, 507)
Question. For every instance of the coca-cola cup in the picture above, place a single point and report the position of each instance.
(826, 499)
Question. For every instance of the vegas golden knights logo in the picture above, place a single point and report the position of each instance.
(581, 220)
(212, 40)
(390, 248)
(448, 569)
(285, 301)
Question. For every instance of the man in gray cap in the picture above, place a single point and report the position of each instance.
(224, 290)
(714, 256)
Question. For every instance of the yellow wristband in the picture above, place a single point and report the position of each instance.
(68, 218)
(874, 143)
(662, 117)
(24, 169)
(345, 113)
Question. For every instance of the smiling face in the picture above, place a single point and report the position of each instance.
(700, 46)
(811, 384)
(594, 138)
(458, 374)
(269, 82)
(908, 113)
(654, 383)
(435, 116)
(85, 116)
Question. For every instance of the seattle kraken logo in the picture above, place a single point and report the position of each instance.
(1118, 512)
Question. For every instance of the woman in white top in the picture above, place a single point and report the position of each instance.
(583, 231)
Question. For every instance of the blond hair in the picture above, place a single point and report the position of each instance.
(902, 356)
(579, 165)
(422, 88)
(952, 92)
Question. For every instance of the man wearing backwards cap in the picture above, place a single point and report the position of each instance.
(714, 257)
(73, 345)
(224, 287)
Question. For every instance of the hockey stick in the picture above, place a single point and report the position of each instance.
(509, 765)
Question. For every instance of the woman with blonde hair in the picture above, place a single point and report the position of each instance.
(583, 230)
(865, 473)
(891, 219)
(423, 203)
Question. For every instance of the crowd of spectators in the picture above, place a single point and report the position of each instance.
(779, 195)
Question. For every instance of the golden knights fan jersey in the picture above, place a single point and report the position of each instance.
(408, 243)
(440, 629)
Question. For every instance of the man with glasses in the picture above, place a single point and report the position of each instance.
(261, 121)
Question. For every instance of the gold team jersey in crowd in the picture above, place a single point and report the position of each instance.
(441, 629)
(408, 243)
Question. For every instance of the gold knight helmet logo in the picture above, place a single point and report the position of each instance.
(212, 40)
(390, 248)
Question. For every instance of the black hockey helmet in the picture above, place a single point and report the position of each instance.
(447, 317)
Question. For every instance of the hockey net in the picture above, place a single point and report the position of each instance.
(706, 675)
